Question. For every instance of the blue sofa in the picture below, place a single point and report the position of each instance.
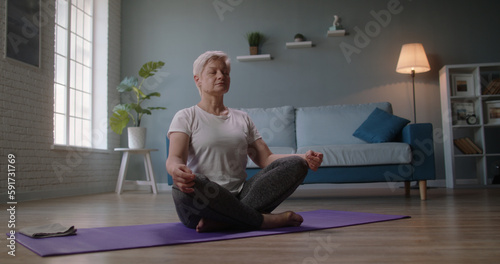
(407, 157)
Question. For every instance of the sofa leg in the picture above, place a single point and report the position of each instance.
(407, 188)
(422, 186)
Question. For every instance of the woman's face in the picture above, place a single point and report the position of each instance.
(214, 79)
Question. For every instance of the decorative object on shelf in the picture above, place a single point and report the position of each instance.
(255, 39)
(412, 60)
(299, 37)
(471, 120)
(462, 85)
(460, 112)
(492, 88)
(336, 29)
(467, 146)
(493, 114)
(299, 42)
(122, 113)
(336, 24)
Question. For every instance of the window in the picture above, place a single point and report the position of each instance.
(76, 46)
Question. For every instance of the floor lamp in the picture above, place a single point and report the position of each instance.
(412, 59)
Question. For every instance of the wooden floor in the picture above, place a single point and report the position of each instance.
(452, 226)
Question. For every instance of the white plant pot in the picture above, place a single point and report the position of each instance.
(136, 137)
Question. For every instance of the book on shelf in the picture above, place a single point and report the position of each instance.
(492, 88)
(467, 146)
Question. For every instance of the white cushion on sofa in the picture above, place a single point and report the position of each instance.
(363, 154)
(333, 124)
(275, 150)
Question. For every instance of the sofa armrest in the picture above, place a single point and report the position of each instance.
(420, 139)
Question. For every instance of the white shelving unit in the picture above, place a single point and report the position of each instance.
(470, 80)
(299, 44)
(261, 57)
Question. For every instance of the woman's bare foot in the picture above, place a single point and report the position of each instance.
(207, 225)
(284, 219)
(288, 218)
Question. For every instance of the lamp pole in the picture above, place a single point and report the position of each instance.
(414, 105)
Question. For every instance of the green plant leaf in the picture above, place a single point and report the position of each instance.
(118, 121)
(138, 108)
(139, 93)
(157, 108)
(255, 38)
(124, 107)
(127, 84)
(124, 113)
(152, 94)
(149, 68)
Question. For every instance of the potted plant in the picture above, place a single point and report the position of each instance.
(254, 40)
(124, 113)
(299, 37)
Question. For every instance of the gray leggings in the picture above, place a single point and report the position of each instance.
(261, 194)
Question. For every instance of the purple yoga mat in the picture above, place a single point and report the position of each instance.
(126, 237)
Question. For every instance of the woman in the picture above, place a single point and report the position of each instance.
(209, 144)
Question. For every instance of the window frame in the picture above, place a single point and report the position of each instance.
(96, 94)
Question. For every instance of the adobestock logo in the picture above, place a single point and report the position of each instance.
(324, 249)
(222, 7)
(372, 29)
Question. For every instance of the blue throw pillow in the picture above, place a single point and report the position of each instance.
(380, 126)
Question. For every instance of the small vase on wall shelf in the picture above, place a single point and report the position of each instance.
(254, 50)
(254, 39)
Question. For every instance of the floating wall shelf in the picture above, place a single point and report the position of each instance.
(261, 57)
(299, 44)
(336, 33)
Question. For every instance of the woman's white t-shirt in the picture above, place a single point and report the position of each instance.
(217, 144)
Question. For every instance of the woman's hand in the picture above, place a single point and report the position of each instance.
(183, 178)
(176, 162)
(314, 159)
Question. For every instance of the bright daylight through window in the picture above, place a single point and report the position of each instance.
(73, 73)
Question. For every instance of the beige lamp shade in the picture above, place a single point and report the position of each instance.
(412, 57)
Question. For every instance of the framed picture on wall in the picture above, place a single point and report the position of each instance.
(463, 85)
(23, 31)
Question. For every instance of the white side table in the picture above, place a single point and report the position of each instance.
(150, 177)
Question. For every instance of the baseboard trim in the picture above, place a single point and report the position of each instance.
(381, 185)
(165, 187)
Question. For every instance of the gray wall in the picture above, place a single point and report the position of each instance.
(177, 31)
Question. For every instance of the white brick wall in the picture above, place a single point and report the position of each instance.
(26, 111)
